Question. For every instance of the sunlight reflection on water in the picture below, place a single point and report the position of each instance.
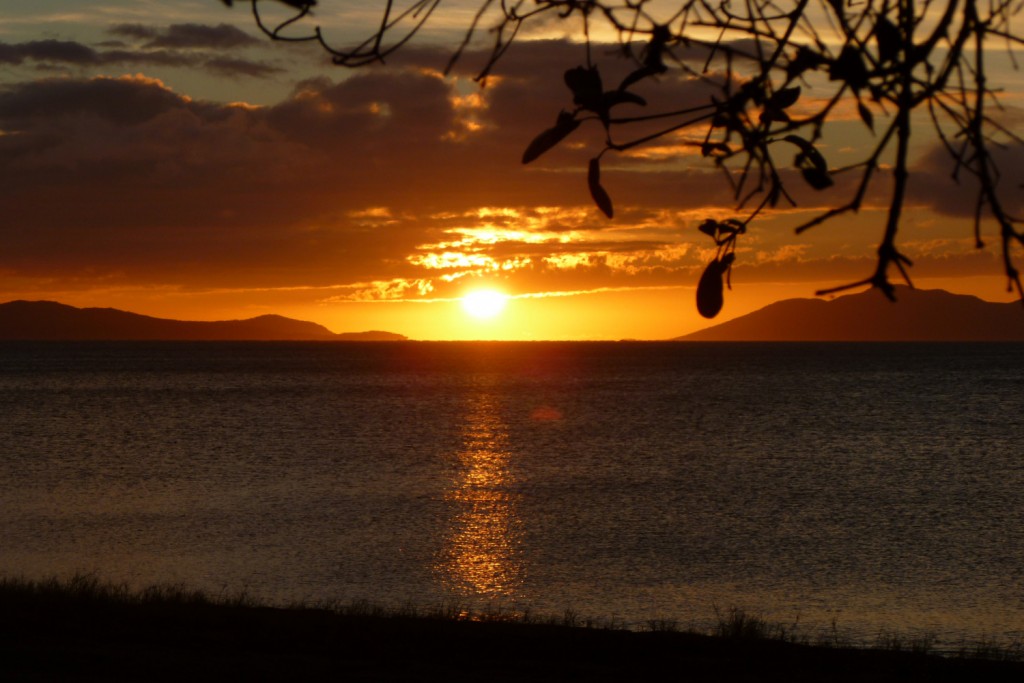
(482, 554)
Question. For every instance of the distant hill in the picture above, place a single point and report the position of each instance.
(48, 320)
(917, 315)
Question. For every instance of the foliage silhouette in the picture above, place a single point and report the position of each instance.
(889, 57)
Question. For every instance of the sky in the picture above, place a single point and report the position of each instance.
(164, 157)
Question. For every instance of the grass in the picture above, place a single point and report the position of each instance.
(737, 623)
(84, 629)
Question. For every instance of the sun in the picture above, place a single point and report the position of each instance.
(484, 303)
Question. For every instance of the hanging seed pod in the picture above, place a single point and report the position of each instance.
(597, 192)
(710, 288)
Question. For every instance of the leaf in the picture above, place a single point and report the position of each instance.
(771, 114)
(585, 84)
(638, 74)
(565, 124)
(805, 59)
(866, 116)
(816, 178)
(601, 198)
(811, 163)
(752, 90)
(849, 67)
(804, 146)
(784, 98)
(733, 226)
(889, 39)
(709, 227)
(807, 152)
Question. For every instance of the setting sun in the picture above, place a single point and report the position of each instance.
(484, 303)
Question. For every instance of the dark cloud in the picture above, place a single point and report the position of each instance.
(962, 263)
(168, 58)
(187, 36)
(233, 66)
(139, 32)
(551, 58)
(122, 101)
(935, 181)
(63, 51)
(123, 174)
(175, 46)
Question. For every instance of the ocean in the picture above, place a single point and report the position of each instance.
(857, 490)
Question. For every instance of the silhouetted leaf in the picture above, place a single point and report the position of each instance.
(709, 227)
(849, 67)
(811, 163)
(889, 39)
(730, 114)
(710, 288)
(816, 178)
(565, 124)
(786, 97)
(733, 226)
(639, 74)
(601, 198)
(866, 116)
(805, 59)
(751, 91)
(807, 150)
(585, 83)
(771, 114)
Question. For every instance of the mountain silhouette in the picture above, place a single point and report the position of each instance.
(917, 315)
(48, 320)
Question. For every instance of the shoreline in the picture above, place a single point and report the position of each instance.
(84, 630)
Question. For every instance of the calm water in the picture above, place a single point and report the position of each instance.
(881, 486)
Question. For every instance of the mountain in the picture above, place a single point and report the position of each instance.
(48, 320)
(917, 315)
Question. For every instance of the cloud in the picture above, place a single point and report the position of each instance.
(187, 36)
(233, 66)
(64, 51)
(932, 182)
(122, 101)
(179, 45)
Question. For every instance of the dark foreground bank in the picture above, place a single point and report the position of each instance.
(84, 631)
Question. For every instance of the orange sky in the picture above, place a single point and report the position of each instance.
(163, 158)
